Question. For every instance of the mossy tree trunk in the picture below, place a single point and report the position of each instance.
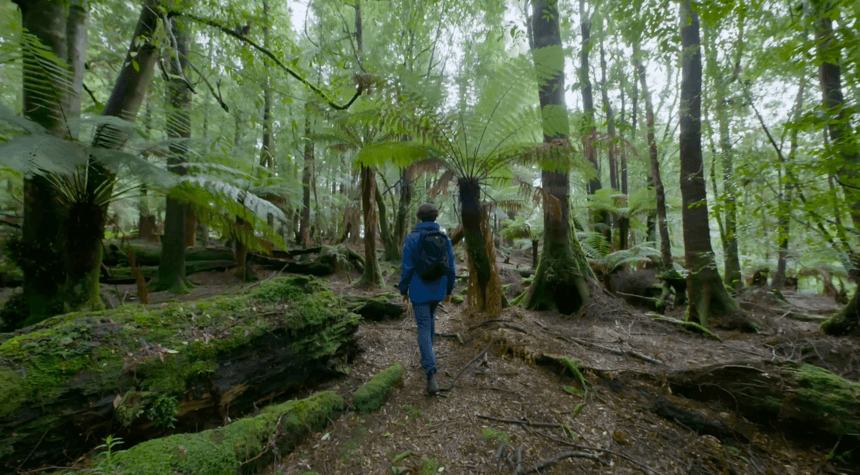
(392, 249)
(171, 270)
(42, 255)
(561, 278)
(372, 275)
(705, 290)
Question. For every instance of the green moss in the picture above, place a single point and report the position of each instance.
(10, 394)
(430, 467)
(229, 449)
(156, 352)
(457, 298)
(496, 436)
(401, 457)
(829, 398)
(372, 395)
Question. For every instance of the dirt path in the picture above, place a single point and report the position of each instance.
(629, 417)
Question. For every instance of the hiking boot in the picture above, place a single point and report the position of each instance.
(432, 386)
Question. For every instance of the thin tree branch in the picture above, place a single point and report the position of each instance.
(271, 56)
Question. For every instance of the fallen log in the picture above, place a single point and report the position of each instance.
(139, 373)
(245, 446)
(150, 255)
(806, 399)
(124, 275)
(377, 308)
(330, 260)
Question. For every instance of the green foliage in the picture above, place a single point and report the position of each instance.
(825, 396)
(430, 467)
(372, 394)
(496, 436)
(236, 447)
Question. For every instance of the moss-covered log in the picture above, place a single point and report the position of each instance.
(373, 394)
(806, 399)
(380, 307)
(330, 260)
(244, 446)
(139, 373)
(123, 275)
(150, 255)
(846, 322)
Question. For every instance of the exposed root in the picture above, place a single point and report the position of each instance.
(691, 326)
(460, 373)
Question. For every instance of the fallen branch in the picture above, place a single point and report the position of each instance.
(554, 460)
(693, 327)
(518, 421)
(614, 351)
(482, 353)
(805, 317)
(588, 447)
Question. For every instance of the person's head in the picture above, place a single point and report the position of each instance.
(427, 212)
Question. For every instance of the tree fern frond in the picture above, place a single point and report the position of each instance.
(220, 195)
(22, 123)
(32, 155)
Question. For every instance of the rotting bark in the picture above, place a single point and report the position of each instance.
(129, 373)
(707, 294)
(561, 278)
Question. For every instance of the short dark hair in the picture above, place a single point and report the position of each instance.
(427, 212)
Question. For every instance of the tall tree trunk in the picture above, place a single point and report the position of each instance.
(730, 195)
(305, 221)
(401, 225)
(561, 279)
(656, 180)
(171, 270)
(77, 23)
(707, 295)
(86, 221)
(844, 146)
(372, 275)
(785, 195)
(600, 217)
(42, 230)
(610, 122)
(267, 157)
(392, 250)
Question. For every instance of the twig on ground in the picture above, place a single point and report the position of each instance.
(693, 327)
(638, 296)
(643, 467)
(616, 351)
(554, 460)
(482, 353)
(517, 421)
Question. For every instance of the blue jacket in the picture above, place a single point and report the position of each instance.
(420, 291)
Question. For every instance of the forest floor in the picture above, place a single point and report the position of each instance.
(509, 413)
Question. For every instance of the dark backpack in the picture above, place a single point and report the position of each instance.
(431, 262)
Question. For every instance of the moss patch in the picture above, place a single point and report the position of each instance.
(496, 436)
(430, 467)
(243, 446)
(154, 354)
(824, 396)
(372, 395)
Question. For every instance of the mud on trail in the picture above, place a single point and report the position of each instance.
(518, 410)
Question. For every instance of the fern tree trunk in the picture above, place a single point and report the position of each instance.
(171, 270)
(844, 146)
(42, 253)
(88, 218)
(485, 289)
(708, 297)
(561, 278)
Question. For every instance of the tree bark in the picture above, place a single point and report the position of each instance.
(392, 249)
(610, 122)
(785, 196)
(372, 275)
(84, 244)
(707, 295)
(842, 143)
(485, 290)
(42, 229)
(561, 278)
(401, 225)
(171, 271)
(305, 221)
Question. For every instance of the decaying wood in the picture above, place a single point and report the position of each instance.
(524, 422)
(554, 460)
(141, 373)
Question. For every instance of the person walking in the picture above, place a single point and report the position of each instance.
(427, 278)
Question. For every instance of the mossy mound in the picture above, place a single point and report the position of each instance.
(79, 377)
(807, 399)
(372, 395)
(244, 446)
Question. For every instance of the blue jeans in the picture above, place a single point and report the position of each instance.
(426, 321)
